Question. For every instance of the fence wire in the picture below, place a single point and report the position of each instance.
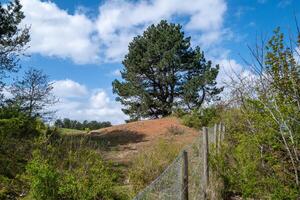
(169, 186)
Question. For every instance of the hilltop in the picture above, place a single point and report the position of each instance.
(125, 140)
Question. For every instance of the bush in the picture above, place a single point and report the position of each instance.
(200, 118)
(151, 163)
(43, 179)
(58, 171)
(17, 132)
(252, 164)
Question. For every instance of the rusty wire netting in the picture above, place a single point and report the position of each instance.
(169, 185)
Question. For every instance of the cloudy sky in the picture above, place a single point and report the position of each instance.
(80, 44)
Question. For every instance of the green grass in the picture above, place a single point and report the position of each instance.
(68, 131)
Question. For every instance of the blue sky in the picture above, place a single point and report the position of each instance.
(80, 44)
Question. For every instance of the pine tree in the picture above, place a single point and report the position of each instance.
(163, 72)
(13, 39)
(34, 93)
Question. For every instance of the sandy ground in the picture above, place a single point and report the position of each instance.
(126, 140)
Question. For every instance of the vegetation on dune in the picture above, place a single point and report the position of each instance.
(82, 174)
(260, 155)
(148, 165)
(35, 161)
(259, 159)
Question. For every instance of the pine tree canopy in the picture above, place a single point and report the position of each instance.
(162, 72)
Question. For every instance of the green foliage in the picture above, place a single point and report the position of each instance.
(57, 170)
(82, 174)
(33, 93)
(260, 157)
(43, 179)
(201, 117)
(163, 72)
(87, 130)
(16, 134)
(13, 38)
(54, 170)
(74, 124)
(246, 168)
(151, 163)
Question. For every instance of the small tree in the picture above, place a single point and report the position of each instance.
(33, 93)
(162, 71)
(13, 39)
(59, 123)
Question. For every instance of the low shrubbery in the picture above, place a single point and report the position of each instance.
(253, 164)
(60, 171)
(199, 118)
(261, 155)
(46, 166)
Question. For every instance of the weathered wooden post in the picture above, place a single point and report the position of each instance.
(205, 161)
(219, 135)
(185, 177)
(216, 137)
(223, 131)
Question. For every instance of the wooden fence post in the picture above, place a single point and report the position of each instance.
(205, 162)
(223, 131)
(220, 135)
(216, 137)
(185, 175)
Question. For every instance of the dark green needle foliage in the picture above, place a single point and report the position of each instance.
(13, 39)
(162, 72)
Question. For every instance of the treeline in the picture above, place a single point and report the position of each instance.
(74, 124)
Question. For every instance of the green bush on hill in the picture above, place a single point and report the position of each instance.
(202, 117)
(82, 175)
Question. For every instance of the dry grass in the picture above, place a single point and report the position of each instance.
(126, 140)
(121, 144)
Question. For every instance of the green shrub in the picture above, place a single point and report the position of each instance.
(43, 179)
(58, 171)
(178, 112)
(151, 163)
(17, 133)
(200, 118)
(251, 164)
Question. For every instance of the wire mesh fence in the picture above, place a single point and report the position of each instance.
(187, 176)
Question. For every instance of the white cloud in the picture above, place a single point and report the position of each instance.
(99, 99)
(68, 88)
(119, 21)
(93, 105)
(6, 93)
(55, 32)
(227, 68)
(231, 74)
(296, 55)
